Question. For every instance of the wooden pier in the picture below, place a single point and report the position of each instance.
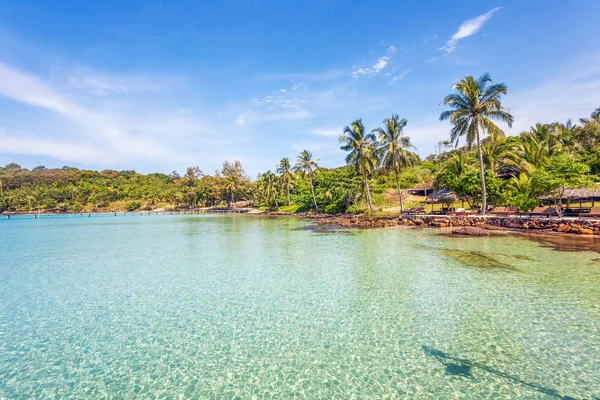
(122, 213)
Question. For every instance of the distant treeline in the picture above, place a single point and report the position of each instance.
(504, 170)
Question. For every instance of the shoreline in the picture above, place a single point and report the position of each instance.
(474, 225)
(467, 225)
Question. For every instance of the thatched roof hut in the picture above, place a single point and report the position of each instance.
(576, 194)
(442, 196)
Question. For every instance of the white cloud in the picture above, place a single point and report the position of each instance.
(468, 28)
(249, 117)
(379, 64)
(334, 132)
(399, 76)
(89, 130)
(19, 143)
(111, 85)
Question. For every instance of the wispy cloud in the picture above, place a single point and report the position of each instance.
(468, 28)
(332, 132)
(247, 118)
(87, 129)
(399, 76)
(111, 85)
(376, 67)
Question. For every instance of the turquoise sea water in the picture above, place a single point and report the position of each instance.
(249, 307)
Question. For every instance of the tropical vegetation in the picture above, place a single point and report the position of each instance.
(381, 166)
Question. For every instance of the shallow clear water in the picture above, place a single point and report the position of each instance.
(226, 306)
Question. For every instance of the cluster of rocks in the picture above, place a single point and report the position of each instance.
(582, 227)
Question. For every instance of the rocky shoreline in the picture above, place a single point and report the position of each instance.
(466, 225)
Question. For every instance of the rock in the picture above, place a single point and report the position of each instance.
(471, 231)
(563, 228)
(418, 221)
(581, 230)
(491, 227)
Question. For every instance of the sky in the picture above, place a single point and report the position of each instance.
(157, 86)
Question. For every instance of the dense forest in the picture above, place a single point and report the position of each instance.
(381, 162)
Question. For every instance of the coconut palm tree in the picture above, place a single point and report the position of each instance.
(395, 148)
(362, 153)
(286, 174)
(457, 164)
(595, 117)
(270, 188)
(307, 166)
(473, 108)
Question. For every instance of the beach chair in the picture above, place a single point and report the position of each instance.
(537, 211)
(498, 211)
(543, 212)
(458, 211)
(414, 210)
(511, 210)
(594, 213)
(550, 212)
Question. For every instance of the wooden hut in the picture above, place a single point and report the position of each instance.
(421, 189)
(570, 195)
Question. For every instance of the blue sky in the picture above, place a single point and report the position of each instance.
(157, 85)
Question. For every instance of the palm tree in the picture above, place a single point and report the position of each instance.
(394, 150)
(457, 164)
(270, 188)
(286, 174)
(474, 106)
(362, 153)
(307, 167)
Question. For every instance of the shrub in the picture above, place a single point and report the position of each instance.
(134, 205)
(355, 209)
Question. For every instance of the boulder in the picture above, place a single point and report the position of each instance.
(471, 231)
(563, 228)
(581, 230)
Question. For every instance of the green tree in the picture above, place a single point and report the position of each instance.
(561, 173)
(286, 174)
(307, 167)
(395, 148)
(270, 188)
(473, 108)
(362, 155)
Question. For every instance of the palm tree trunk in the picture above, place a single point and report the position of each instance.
(398, 187)
(312, 189)
(287, 189)
(368, 192)
(481, 170)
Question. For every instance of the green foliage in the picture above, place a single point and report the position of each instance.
(134, 205)
(355, 209)
(519, 169)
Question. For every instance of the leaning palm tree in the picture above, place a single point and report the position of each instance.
(362, 153)
(286, 174)
(395, 148)
(473, 107)
(307, 166)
